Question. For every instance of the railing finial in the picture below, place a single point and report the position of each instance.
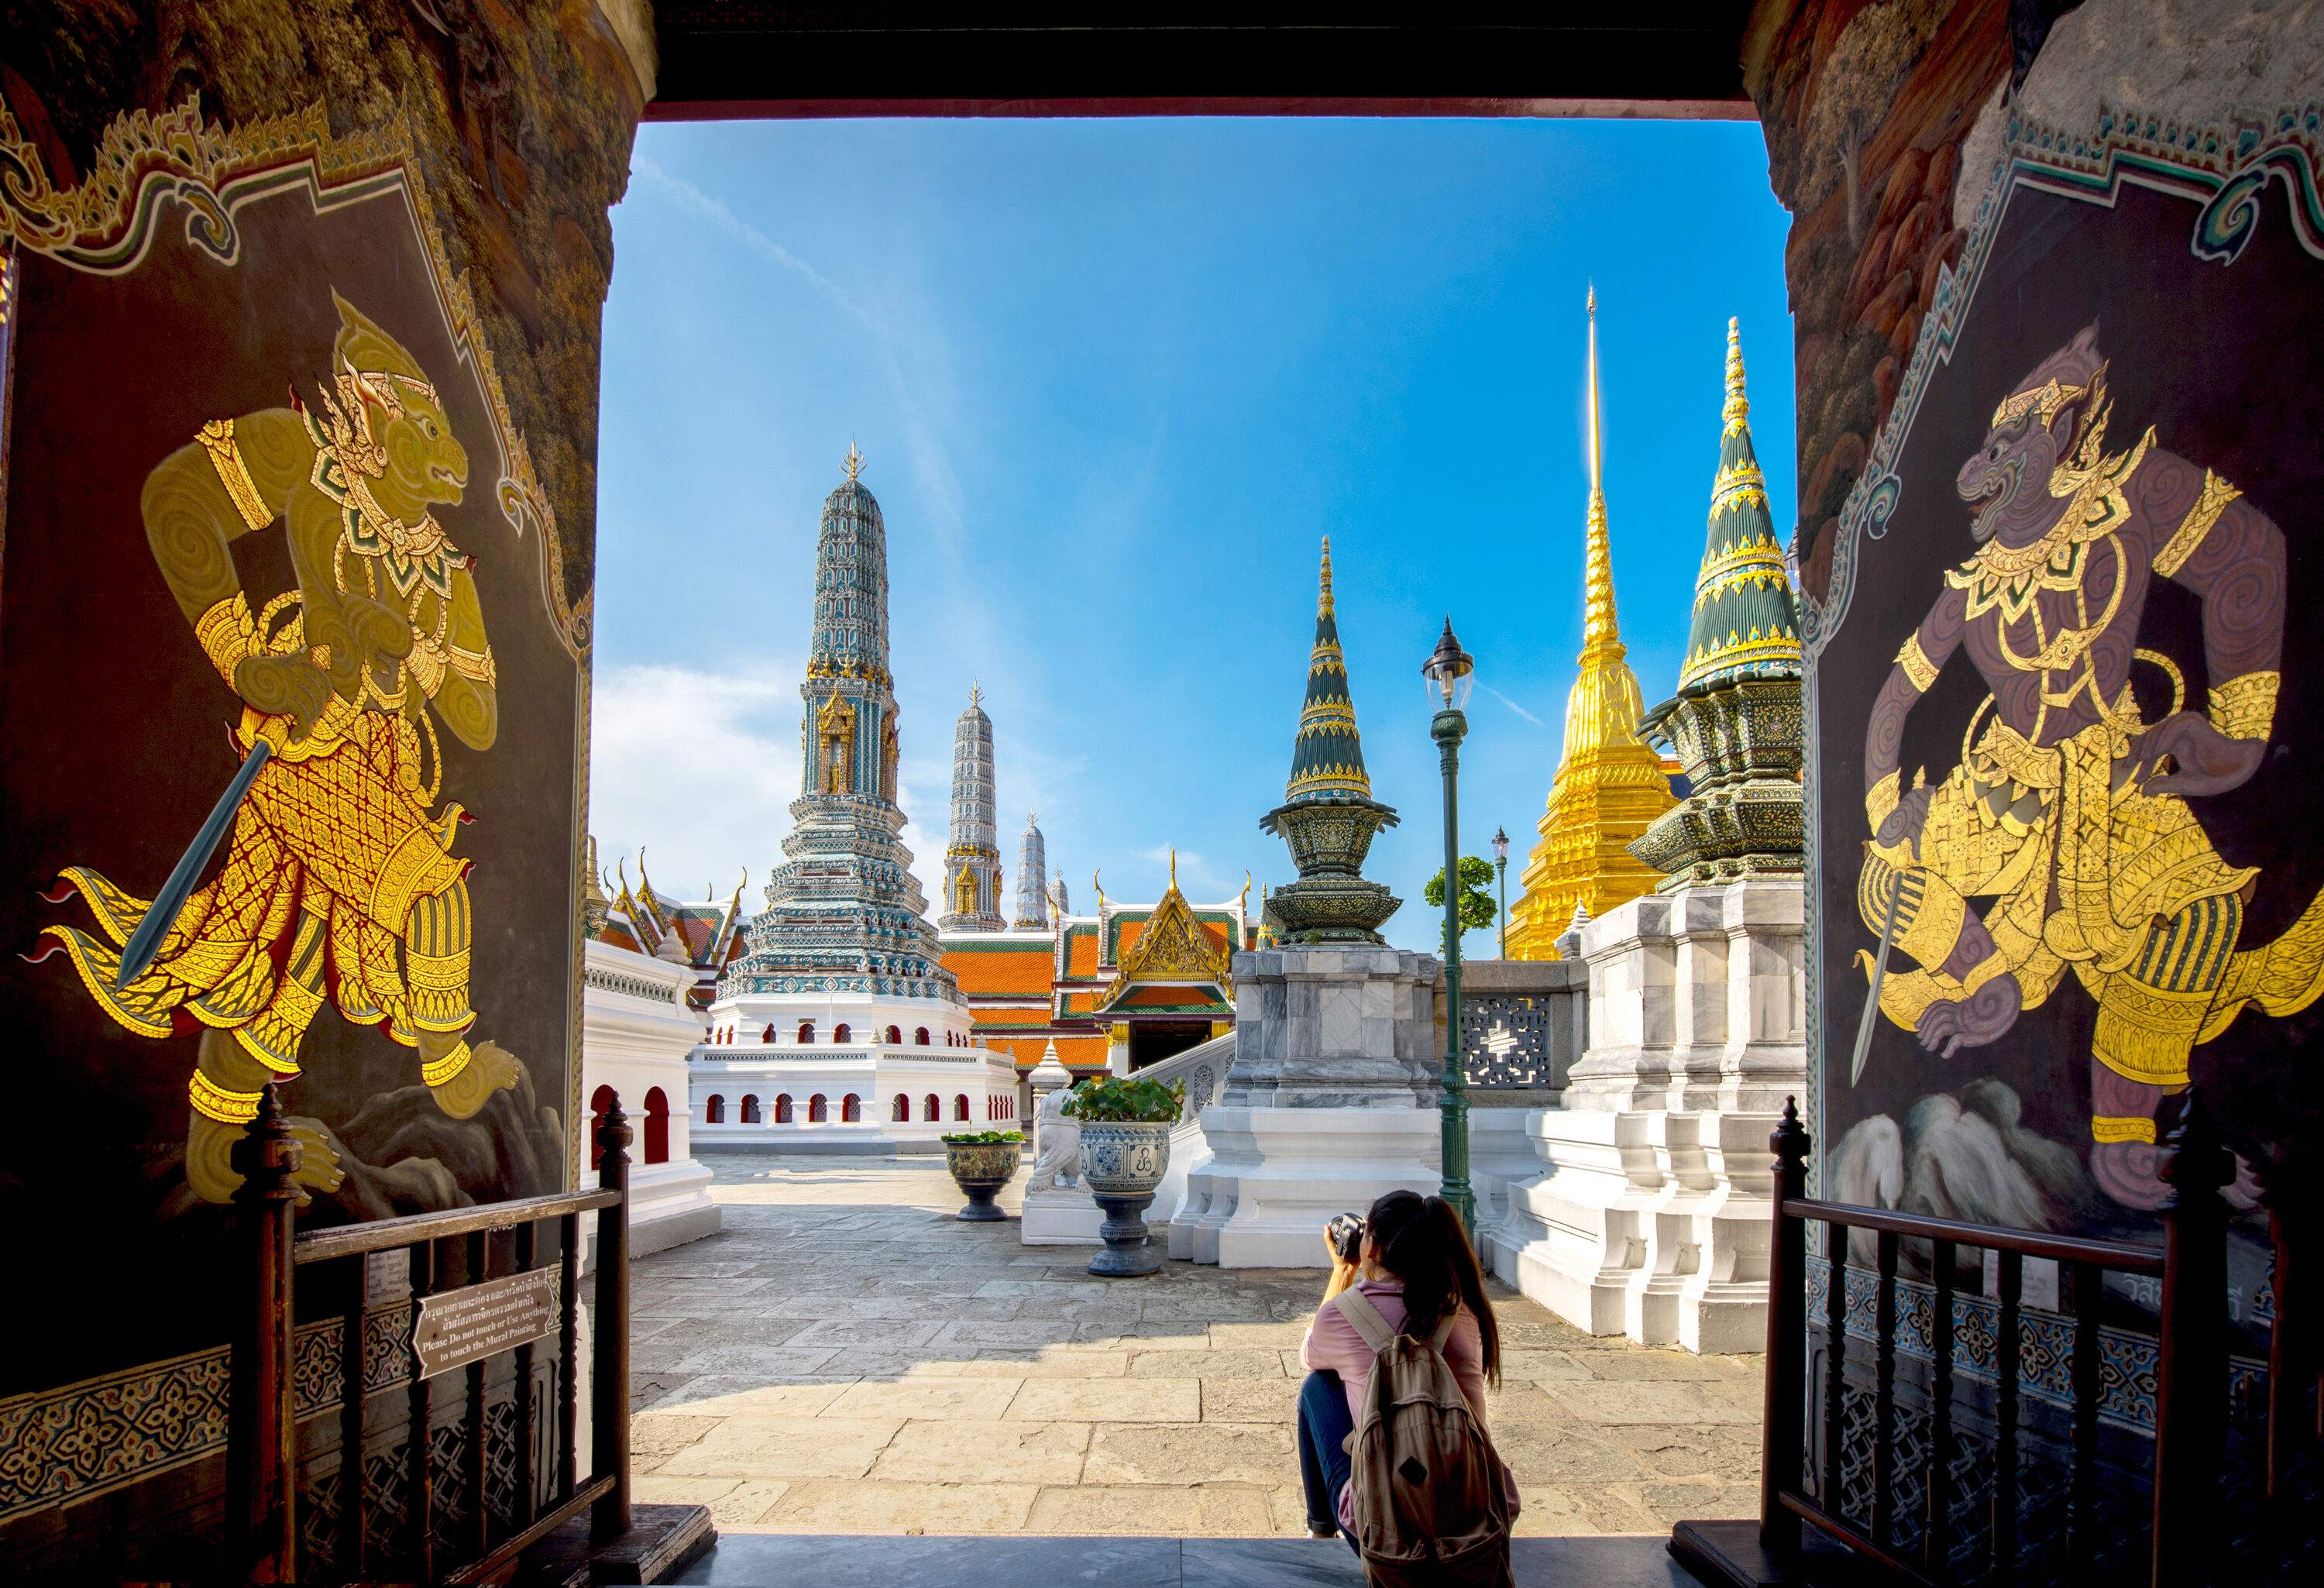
(2194, 1161)
(1789, 1142)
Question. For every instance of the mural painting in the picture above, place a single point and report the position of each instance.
(287, 672)
(2062, 688)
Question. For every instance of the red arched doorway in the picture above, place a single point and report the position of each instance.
(714, 1110)
(851, 1110)
(600, 1101)
(783, 1108)
(960, 1105)
(657, 1126)
(818, 1112)
(902, 1112)
(930, 1109)
(750, 1108)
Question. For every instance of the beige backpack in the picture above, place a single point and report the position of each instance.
(1429, 1492)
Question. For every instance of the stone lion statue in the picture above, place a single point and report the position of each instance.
(1058, 1137)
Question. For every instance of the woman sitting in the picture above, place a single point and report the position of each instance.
(1415, 1267)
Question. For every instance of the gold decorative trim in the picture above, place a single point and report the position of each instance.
(1918, 668)
(2213, 500)
(2244, 707)
(1881, 798)
(212, 1101)
(2106, 1128)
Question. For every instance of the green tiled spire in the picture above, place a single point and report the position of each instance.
(1328, 757)
(1746, 623)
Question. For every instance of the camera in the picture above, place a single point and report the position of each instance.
(1347, 1233)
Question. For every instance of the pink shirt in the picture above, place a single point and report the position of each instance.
(1334, 1343)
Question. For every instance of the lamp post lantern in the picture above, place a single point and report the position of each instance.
(1502, 867)
(1449, 671)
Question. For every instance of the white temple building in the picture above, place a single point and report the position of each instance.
(835, 1026)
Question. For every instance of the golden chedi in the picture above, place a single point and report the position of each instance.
(1610, 785)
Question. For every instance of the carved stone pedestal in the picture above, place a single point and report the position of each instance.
(1129, 1252)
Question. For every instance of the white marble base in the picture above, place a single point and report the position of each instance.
(669, 1206)
(1277, 1176)
(1069, 1216)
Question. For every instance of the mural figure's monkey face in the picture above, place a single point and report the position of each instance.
(2007, 480)
(426, 463)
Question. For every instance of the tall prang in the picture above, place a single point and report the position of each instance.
(972, 851)
(845, 919)
(1610, 785)
(1032, 865)
(1328, 817)
(1736, 723)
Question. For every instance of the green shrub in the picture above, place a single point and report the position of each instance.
(982, 1138)
(1116, 1100)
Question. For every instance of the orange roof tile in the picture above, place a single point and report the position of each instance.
(1081, 951)
(1036, 1015)
(1021, 968)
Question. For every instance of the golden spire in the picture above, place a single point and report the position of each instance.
(976, 694)
(1173, 867)
(1609, 783)
(1737, 412)
(1323, 608)
(853, 463)
(1601, 635)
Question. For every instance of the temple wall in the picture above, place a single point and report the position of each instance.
(228, 208)
(2119, 196)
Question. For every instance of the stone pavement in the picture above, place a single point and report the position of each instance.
(847, 1358)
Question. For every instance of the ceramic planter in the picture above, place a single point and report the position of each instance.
(1123, 1162)
(980, 1168)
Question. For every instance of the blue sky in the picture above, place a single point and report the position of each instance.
(1114, 382)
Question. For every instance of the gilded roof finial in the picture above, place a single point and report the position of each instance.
(853, 463)
(1174, 868)
(1601, 638)
(1323, 608)
(1738, 406)
(976, 694)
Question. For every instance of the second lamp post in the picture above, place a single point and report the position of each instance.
(1448, 672)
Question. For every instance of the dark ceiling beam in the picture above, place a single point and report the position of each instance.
(744, 58)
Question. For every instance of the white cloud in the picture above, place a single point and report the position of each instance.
(697, 768)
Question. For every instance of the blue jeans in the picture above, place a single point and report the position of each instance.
(1325, 1426)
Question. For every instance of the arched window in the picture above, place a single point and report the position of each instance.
(600, 1101)
(841, 1033)
(818, 1112)
(783, 1108)
(920, 1037)
(807, 1031)
(960, 1105)
(895, 1037)
(714, 1110)
(851, 1110)
(769, 1034)
(902, 1113)
(750, 1108)
(930, 1109)
(657, 1126)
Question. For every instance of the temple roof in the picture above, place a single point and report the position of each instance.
(1327, 757)
(1746, 621)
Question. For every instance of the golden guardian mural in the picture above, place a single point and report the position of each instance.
(338, 885)
(2061, 688)
(295, 702)
(2064, 839)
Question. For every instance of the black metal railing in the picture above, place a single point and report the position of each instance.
(2190, 1400)
(451, 1538)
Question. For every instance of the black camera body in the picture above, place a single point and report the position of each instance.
(1348, 1237)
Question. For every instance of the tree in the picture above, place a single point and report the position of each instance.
(1477, 907)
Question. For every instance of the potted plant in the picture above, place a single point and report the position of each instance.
(982, 1162)
(1125, 1124)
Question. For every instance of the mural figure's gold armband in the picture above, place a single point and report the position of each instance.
(2105, 1128)
(2215, 495)
(447, 1066)
(1916, 664)
(227, 634)
(213, 1101)
(1882, 798)
(2244, 707)
(225, 456)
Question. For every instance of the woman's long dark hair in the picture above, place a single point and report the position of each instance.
(1421, 1242)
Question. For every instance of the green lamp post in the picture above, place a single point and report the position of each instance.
(1501, 868)
(1449, 671)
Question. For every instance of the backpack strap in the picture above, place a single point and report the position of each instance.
(1358, 1309)
(1444, 1330)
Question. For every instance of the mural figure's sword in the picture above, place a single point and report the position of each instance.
(1879, 974)
(145, 942)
